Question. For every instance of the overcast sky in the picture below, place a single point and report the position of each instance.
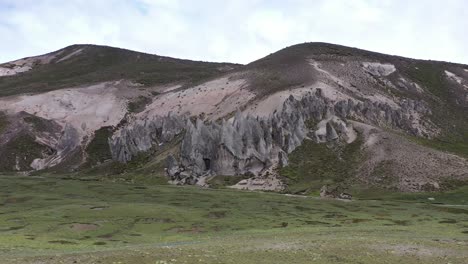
(236, 30)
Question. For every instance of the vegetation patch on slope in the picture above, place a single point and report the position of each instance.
(451, 118)
(145, 168)
(313, 165)
(19, 153)
(3, 122)
(39, 124)
(138, 104)
(98, 149)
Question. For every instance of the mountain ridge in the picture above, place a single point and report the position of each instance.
(71, 66)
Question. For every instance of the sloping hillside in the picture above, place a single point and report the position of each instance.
(305, 116)
(79, 65)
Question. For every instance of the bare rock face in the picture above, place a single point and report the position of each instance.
(233, 148)
(143, 135)
(248, 145)
(172, 167)
(63, 146)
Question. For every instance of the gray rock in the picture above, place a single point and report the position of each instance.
(282, 159)
(172, 169)
(144, 135)
(331, 132)
(251, 145)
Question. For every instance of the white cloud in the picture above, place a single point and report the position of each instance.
(235, 30)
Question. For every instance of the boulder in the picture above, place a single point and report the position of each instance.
(172, 167)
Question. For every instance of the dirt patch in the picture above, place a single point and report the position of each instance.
(217, 214)
(83, 227)
(416, 250)
(217, 97)
(106, 236)
(12, 200)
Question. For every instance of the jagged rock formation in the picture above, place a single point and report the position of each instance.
(248, 145)
(143, 135)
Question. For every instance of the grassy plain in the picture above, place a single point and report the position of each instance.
(54, 220)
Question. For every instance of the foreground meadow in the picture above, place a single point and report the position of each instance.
(53, 220)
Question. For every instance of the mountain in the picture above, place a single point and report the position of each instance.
(308, 115)
(79, 65)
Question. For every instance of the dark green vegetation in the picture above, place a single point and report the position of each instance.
(98, 149)
(446, 113)
(138, 104)
(3, 122)
(456, 145)
(86, 221)
(21, 151)
(224, 181)
(99, 63)
(313, 165)
(39, 124)
(146, 168)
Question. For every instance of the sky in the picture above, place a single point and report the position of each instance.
(236, 30)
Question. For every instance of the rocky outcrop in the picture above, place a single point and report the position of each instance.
(249, 145)
(406, 118)
(142, 135)
(65, 145)
(334, 192)
(39, 142)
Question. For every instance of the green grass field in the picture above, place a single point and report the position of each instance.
(53, 220)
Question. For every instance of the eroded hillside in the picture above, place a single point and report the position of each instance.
(308, 115)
